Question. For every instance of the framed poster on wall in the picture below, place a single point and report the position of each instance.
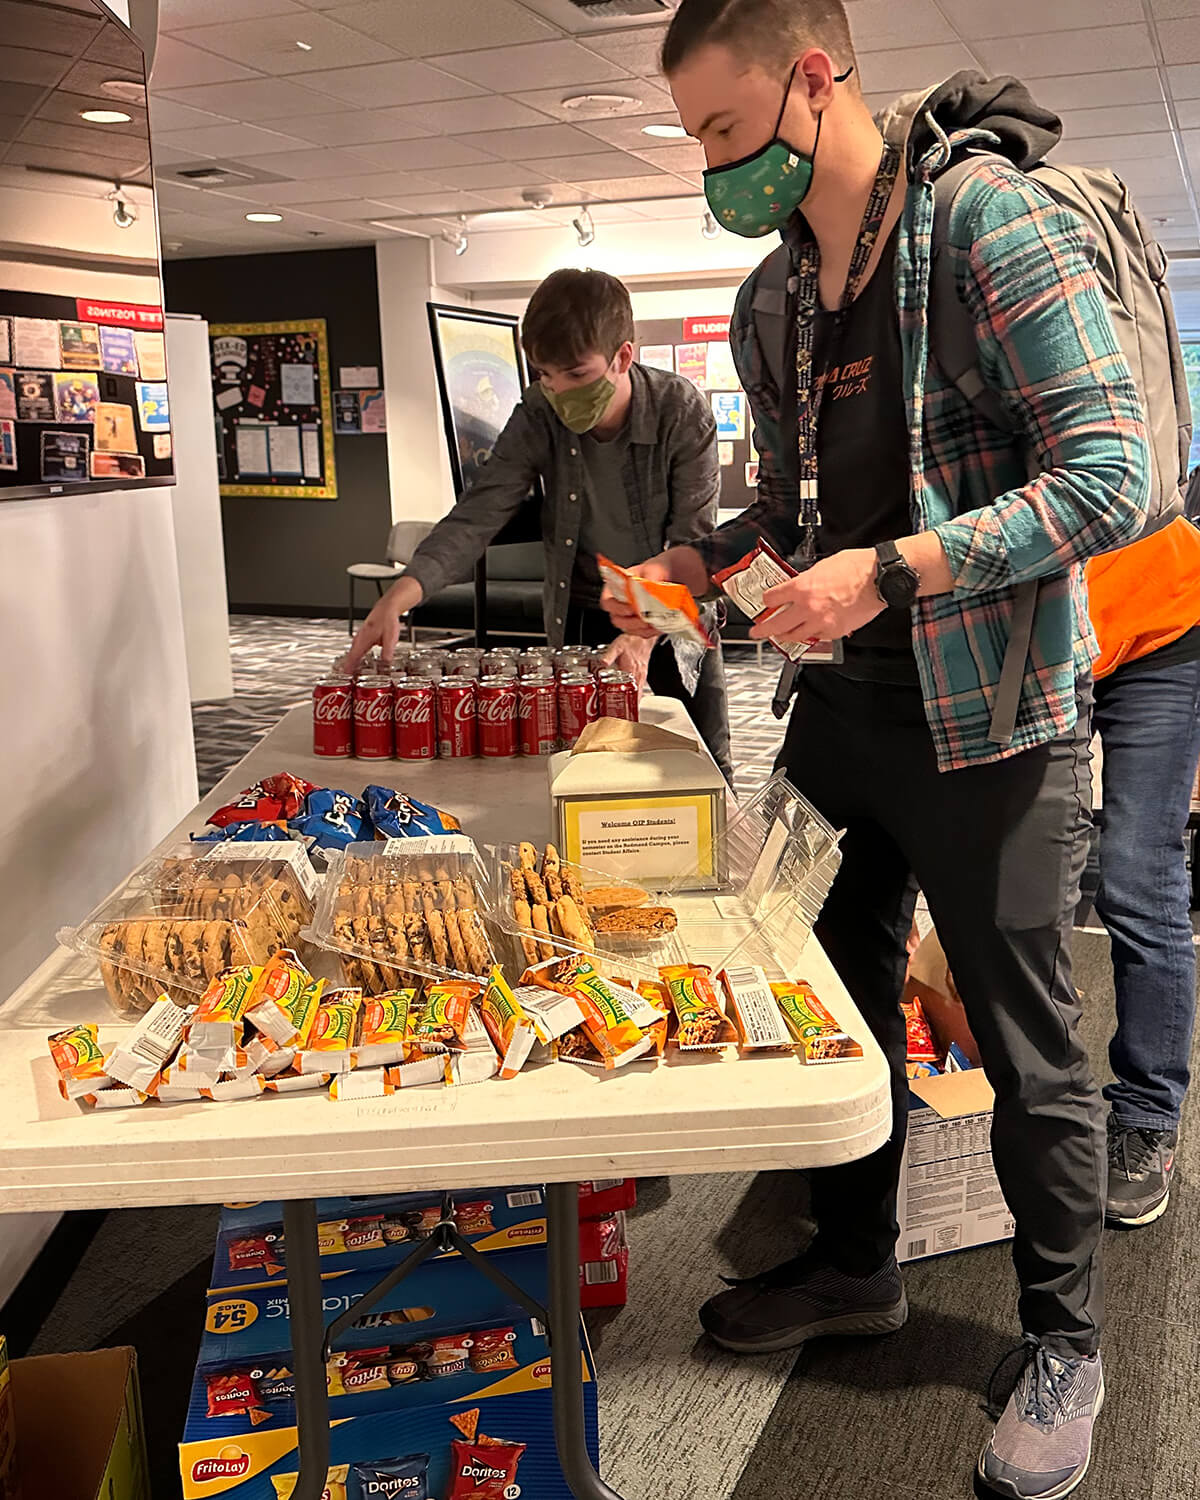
(481, 375)
(273, 409)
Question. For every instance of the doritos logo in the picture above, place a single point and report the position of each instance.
(527, 1232)
(229, 1464)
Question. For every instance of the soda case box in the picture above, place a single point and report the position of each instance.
(373, 1233)
(603, 1262)
(605, 1195)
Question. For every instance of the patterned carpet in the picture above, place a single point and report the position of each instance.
(276, 662)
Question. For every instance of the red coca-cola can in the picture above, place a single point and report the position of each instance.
(496, 707)
(457, 723)
(333, 716)
(499, 664)
(416, 727)
(537, 715)
(618, 695)
(577, 705)
(374, 729)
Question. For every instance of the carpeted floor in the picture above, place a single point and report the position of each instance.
(897, 1419)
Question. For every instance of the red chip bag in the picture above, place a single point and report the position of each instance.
(483, 1470)
(234, 1394)
(921, 1045)
(493, 1350)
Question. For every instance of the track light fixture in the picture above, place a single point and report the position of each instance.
(457, 237)
(585, 229)
(709, 227)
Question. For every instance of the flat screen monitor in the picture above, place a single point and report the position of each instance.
(83, 378)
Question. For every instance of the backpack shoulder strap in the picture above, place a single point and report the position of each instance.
(770, 309)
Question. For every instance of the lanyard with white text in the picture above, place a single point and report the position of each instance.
(809, 395)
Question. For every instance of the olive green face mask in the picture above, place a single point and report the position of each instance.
(581, 407)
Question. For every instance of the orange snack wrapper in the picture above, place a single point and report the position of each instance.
(701, 1024)
(818, 1036)
(667, 607)
(79, 1060)
(441, 1021)
(283, 1004)
(511, 1030)
(606, 1021)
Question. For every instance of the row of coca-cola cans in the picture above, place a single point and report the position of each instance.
(467, 703)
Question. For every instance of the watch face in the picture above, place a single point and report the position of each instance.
(898, 586)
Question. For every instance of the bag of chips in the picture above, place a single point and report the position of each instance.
(396, 816)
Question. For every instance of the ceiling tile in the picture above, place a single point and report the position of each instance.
(567, 15)
(881, 24)
(1184, 81)
(541, 64)
(461, 116)
(260, 99)
(1117, 150)
(418, 156)
(350, 127)
(631, 187)
(604, 164)
(1180, 39)
(381, 85)
(629, 134)
(1051, 53)
(674, 208)
(635, 51)
(270, 43)
(646, 96)
(1147, 176)
(493, 174)
(1188, 113)
(686, 157)
(448, 202)
(912, 67)
(1114, 119)
(529, 145)
(231, 139)
(420, 31)
(992, 18)
(173, 15)
(1082, 90)
(1169, 9)
(522, 218)
(347, 210)
(166, 115)
(313, 161)
(176, 65)
(370, 185)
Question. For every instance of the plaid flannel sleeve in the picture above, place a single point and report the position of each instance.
(1047, 346)
(773, 515)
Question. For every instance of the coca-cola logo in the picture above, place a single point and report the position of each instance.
(460, 709)
(501, 709)
(228, 1466)
(373, 708)
(414, 708)
(332, 708)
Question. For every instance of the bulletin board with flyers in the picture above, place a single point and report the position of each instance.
(272, 409)
(83, 395)
(698, 349)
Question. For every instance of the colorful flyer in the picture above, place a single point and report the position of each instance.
(153, 410)
(76, 397)
(725, 455)
(118, 466)
(8, 444)
(35, 396)
(79, 344)
(374, 411)
(658, 356)
(8, 396)
(151, 355)
(297, 385)
(729, 409)
(118, 353)
(65, 456)
(35, 343)
(691, 361)
(114, 428)
(752, 476)
(722, 372)
(6, 341)
(162, 445)
(347, 412)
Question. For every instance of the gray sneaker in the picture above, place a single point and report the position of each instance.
(801, 1300)
(1042, 1444)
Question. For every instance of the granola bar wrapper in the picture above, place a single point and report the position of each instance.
(818, 1037)
(385, 1030)
(700, 1023)
(79, 1060)
(442, 1018)
(138, 1061)
(552, 1010)
(380, 1083)
(284, 1001)
(508, 1025)
(668, 607)
(748, 579)
(333, 1032)
(216, 1026)
(617, 1038)
(755, 1011)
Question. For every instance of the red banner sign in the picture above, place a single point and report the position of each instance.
(125, 314)
(696, 330)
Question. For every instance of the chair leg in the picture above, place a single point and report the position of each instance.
(350, 612)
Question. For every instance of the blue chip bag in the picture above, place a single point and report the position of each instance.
(332, 819)
(249, 833)
(396, 816)
(394, 1478)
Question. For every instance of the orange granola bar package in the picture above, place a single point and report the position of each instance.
(668, 607)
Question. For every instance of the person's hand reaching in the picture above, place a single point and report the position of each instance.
(631, 653)
(676, 565)
(382, 626)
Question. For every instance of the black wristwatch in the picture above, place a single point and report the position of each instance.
(895, 582)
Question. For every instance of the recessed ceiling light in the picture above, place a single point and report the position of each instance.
(605, 103)
(105, 116)
(128, 89)
(263, 218)
(304, 46)
(665, 132)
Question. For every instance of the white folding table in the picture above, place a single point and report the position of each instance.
(554, 1124)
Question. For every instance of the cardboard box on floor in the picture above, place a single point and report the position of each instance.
(78, 1420)
(950, 1198)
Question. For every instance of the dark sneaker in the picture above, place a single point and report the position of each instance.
(1042, 1444)
(804, 1299)
(1140, 1166)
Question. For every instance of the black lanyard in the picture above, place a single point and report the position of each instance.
(807, 265)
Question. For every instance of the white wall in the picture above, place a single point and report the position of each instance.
(417, 459)
(673, 302)
(196, 505)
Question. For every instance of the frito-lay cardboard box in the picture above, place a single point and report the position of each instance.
(374, 1233)
(79, 1427)
(634, 801)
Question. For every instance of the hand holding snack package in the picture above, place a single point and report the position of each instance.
(748, 580)
(669, 608)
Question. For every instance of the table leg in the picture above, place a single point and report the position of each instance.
(307, 1316)
(570, 1434)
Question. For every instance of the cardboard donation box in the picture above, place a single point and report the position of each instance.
(634, 801)
(950, 1198)
(78, 1424)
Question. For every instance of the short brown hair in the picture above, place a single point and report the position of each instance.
(769, 32)
(574, 314)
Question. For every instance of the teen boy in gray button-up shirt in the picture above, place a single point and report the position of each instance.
(627, 457)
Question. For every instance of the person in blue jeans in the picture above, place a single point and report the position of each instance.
(1145, 605)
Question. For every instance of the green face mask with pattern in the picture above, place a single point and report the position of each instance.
(761, 192)
(581, 407)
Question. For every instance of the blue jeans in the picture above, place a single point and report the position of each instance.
(1149, 726)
